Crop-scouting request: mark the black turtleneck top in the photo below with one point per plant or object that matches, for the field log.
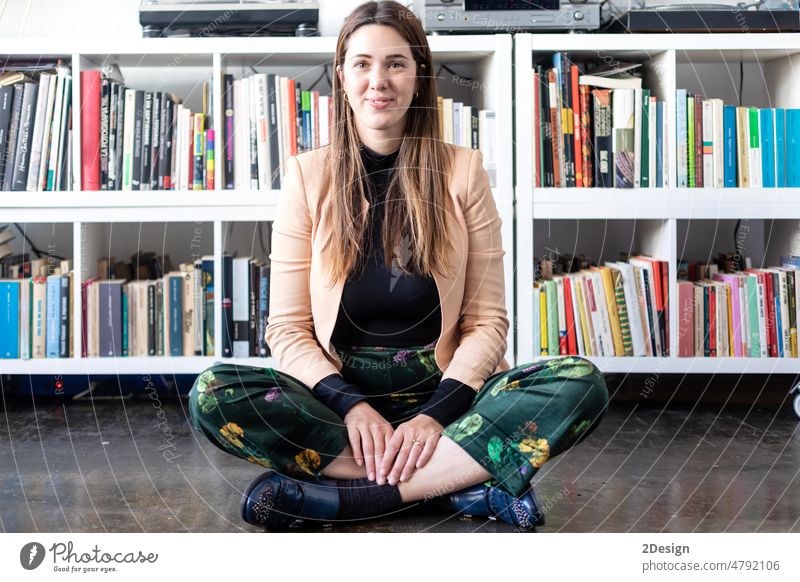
(381, 306)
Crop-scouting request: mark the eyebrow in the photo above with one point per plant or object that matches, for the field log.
(394, 56)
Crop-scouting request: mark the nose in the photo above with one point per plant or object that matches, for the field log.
(377, 79)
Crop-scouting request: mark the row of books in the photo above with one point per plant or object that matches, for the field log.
(270, 117)
(169, 316)
(35, 316)
(618, 309)
(36, 128)
(751, 313)
(133, 139)
(725, 146)
(596, 130)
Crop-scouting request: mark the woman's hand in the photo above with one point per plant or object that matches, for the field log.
(410, 447)
(368, 433)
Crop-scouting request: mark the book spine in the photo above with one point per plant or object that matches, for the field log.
(136, 153)
(147, 132)
(156, 140)
(198, 138)
(603, 162)
(13, 132)
(227, 98)
(25, 137)
(210, 146)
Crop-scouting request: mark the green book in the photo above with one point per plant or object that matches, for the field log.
(551, 291)
(690, 142)
(751, 286)
(645, 165)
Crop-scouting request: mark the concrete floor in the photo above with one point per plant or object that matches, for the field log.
(94, 466)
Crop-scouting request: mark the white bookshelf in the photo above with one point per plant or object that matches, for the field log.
(669, 223)
(180, 66)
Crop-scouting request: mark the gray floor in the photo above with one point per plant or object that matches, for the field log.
(101, 466)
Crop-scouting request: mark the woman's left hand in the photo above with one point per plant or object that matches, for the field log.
(402, 456)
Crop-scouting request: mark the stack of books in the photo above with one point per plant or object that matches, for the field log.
(619, 309)
(245, 306)
(35, 311)
(132, 139)
(600, 130)
(725, 146)
(169, 315)
(36, 127)
(748, 313)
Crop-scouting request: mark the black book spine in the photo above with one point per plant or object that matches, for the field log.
(6, 110)
(147, 131)
(228, 131)
(137, 140)
(25, 137)
(120, 131)
(227, 306)
(64, 182)
(160, 317)
(252, 320)
(263, 309)
(112, 137)
(298, 120)
(155, 140)
(547, 130)
(603, 161)
(105, 113)
(13, 130)
(165, 153)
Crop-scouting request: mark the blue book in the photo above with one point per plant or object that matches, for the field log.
(790, 261)
(9, 319)
(792, 147)
(729, 122)
(767, 134)
(176, 316)
(53, 315)
(780, 148)
(659, 145)
(682, 161)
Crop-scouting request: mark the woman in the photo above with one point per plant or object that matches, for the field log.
(388, 320)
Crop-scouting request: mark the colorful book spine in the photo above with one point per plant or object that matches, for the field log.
(198, 138)
(210, 145)
(729, 122)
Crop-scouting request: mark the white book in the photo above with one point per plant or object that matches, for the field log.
(762, 322)
(186, 156)
(47, 131)
(283, 115)
(744, 323)
(458, 113)
(241, 303)
(238, 125)
(466, 129)
(55, 129)
(38, 131)
(262, 133)
(708, 144)
(486, 140)
(178, 146)
(652, 130)
(665, 174)
(324, 122)
(25, 318)
(127, 139)
(635, 319)
(63, 144)
(280, 99)
(447, 116)
(252, 135)
(647, 267)
(610, 82)
(718, 133)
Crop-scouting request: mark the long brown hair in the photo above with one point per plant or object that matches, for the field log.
(415, 209)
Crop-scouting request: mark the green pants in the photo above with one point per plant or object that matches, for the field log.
(520, 419)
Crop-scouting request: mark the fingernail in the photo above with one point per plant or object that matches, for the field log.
(403, 477)
(372, 476)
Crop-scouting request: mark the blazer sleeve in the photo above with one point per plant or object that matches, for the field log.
(290, 326)
(483, 322)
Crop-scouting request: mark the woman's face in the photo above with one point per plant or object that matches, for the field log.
(379, 77)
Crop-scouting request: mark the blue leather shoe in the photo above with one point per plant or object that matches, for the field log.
(277, 502)
(523, 512)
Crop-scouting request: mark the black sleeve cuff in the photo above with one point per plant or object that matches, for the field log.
(337, 394)
(450, 400)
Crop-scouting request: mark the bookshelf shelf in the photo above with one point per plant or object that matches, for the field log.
(662, 218)
(180, 66)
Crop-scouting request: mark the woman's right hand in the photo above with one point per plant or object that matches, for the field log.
(369, 433)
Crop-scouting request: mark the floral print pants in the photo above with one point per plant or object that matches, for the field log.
(520, 419)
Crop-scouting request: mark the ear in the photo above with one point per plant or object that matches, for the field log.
(340, 74)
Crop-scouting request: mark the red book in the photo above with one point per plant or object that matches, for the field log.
(665, 291)
(772, 315)
(90, 130)
(572, 347)
(712, 320)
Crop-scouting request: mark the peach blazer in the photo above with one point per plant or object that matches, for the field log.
(303, 307)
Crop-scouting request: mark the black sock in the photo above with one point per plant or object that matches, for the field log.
(359, 498)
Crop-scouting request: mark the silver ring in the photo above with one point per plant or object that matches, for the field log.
(416, 442)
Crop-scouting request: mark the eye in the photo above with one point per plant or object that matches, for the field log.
(398, 64)
(359, 63)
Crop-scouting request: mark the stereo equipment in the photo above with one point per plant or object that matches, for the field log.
(503, 16)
